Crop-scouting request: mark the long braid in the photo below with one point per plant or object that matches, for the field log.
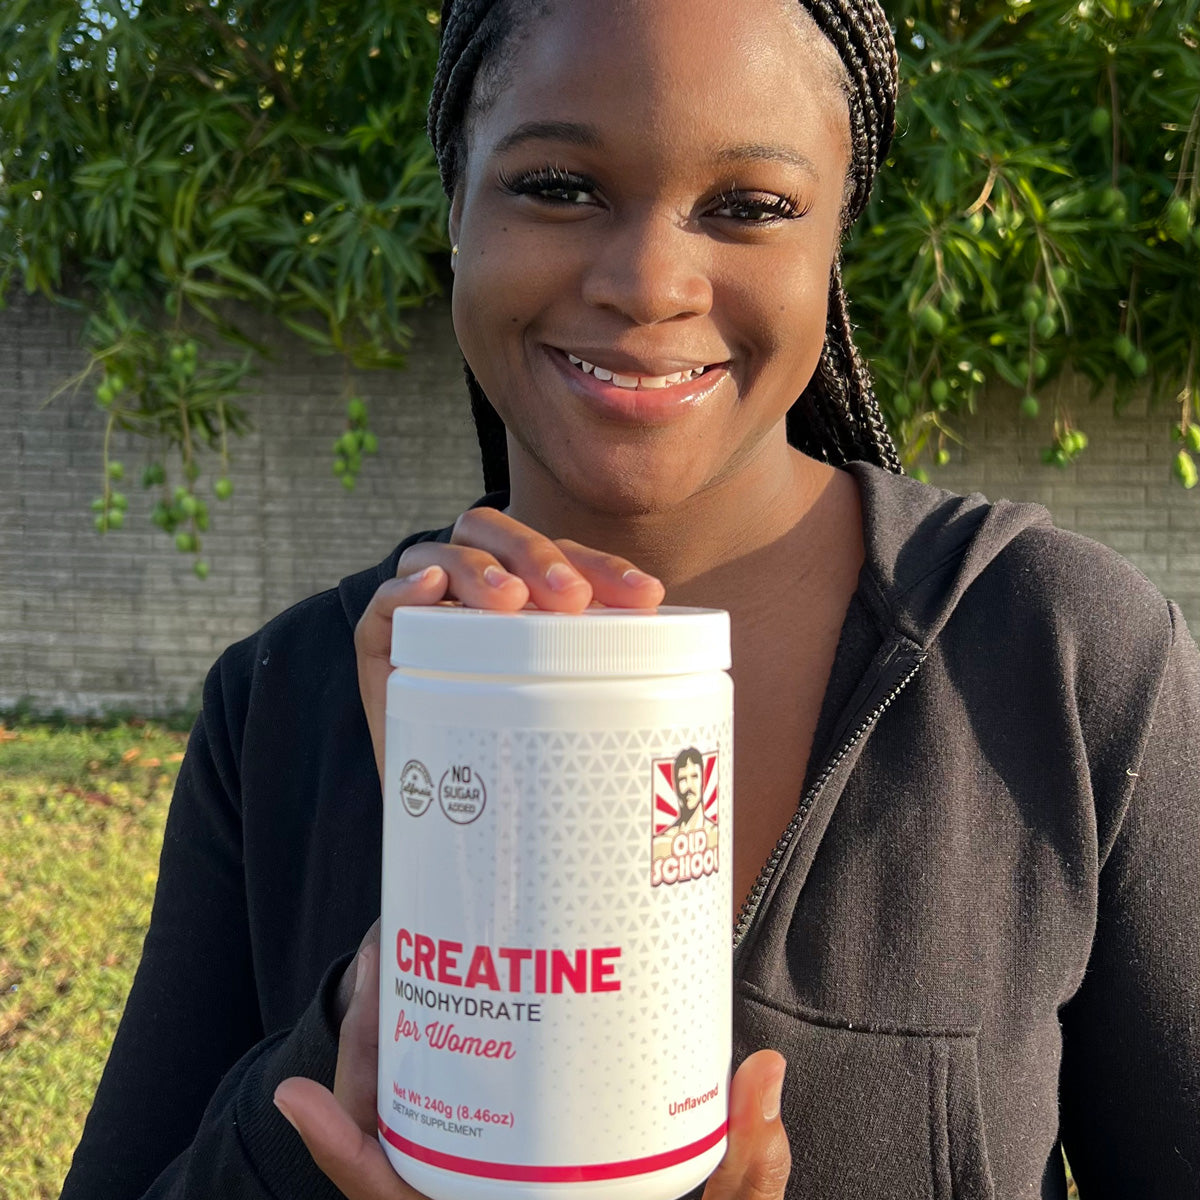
(837, 419)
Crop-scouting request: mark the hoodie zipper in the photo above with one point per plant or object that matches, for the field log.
(750, 906)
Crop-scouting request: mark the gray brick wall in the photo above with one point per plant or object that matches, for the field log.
(91, 624)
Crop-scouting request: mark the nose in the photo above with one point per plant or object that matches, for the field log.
(650, 269)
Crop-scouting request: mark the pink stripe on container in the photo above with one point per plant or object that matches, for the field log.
(524, 1174)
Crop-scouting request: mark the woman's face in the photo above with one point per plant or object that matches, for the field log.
(654, 192)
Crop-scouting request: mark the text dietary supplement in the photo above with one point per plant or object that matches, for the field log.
(555, 968)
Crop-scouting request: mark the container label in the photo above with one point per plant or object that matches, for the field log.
(549, 1008)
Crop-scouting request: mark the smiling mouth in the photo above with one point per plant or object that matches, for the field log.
(635, 382)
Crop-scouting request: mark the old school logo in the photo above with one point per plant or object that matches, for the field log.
(684, 817)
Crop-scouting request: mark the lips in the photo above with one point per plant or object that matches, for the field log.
(639, 398)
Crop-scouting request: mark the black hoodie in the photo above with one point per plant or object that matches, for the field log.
(978, 939)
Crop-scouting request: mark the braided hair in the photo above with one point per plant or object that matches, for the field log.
(837, 418)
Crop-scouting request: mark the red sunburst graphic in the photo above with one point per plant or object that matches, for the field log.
(666, 803)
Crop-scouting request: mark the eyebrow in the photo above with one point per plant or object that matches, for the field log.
(745, 151)
(551, 131)
(576, 133)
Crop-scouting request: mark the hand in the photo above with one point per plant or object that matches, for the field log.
(495, 562)
(339, 1127)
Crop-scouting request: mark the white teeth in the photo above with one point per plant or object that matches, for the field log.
(635, 381)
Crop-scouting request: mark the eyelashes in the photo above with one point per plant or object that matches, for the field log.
(557, 186)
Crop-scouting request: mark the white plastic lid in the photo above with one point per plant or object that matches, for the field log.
(598, 641)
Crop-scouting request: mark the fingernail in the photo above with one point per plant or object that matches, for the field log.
(360, 971)
(560, 577)
(771, 1098)
(496, 576)
(636, 578)
(424, 576)
(287, 1115)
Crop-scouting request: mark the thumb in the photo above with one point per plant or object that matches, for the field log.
(758, 1160)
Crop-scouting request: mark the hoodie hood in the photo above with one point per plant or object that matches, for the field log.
(925, 547)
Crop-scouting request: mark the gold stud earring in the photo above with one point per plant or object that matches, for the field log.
(454, 250)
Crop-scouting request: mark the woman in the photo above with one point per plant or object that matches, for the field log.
(976, 939)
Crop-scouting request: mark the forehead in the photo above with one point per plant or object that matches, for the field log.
(753, 71)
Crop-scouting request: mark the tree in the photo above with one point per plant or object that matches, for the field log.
(1039, 215)
(166, 164)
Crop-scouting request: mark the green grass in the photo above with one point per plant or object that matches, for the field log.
(81, 819)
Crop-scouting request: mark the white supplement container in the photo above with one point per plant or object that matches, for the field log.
(555, 966)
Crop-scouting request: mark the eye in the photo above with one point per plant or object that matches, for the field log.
(757, 208)
(554, 185)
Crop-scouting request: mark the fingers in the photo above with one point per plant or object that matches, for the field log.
(358, 1044)
(758, 1160)
(352, 1158)
(495, 562)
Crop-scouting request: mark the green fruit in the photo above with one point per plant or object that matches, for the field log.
(943, 458)
(1061, 276)
(1193, 438)
(1030, 310)
(370, 443)
(105, 394)
(116, 470)
(901, 404)
(117, 383)
(119, 500)
(1139, 364)
(188, 504)
(975, 223)
(920, 474)
(914, 389)
(1111, 199)
(201, 518)
(160, 515)
(116, 519)
(98, 504)
(939, 391)
(176, 354)
(339, 466)
(190, 349)
(930, 321)
(1178, 220)
(200, 569)
(1123, 348)
(153, 474)
(223, 488)
(356, 410)
(1100, 122)
(1030, 407)
(1046, 326)
(1184, 469)
(1041, 364)
(348, 482)
(184, 541)
(100, 521)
